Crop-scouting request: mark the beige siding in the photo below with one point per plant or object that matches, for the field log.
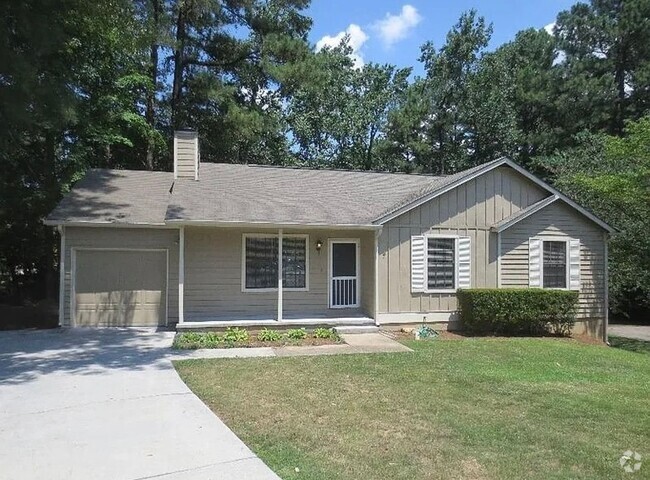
(469, 210)
(213, 276)
(122, 238)
(186, 146)
(560, 220)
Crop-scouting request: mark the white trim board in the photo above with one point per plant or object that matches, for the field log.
(416, 317)
(486, 168)
(523, 214)
(73, 274)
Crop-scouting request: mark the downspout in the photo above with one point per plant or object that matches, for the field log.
(61, 230)
(280, 275)
(181, 275)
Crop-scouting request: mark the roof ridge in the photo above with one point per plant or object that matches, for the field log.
(326, 169)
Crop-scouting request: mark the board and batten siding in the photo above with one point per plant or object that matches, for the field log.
(468, 210)
(560, 220)
(213, 276)
(122, 238)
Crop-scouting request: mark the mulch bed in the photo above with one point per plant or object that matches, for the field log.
(447, 335)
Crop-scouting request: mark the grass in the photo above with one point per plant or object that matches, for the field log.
(474, 409)
(638, 346)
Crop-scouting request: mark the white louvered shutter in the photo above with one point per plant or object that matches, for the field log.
(418, 263)
(574, 264)
(534, 262)
(464, 262)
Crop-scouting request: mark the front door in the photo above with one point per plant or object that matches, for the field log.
(344, 273)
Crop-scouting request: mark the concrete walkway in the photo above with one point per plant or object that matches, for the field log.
(106, 404)
(637, 332)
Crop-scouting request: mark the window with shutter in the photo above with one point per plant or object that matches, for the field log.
(554, 263)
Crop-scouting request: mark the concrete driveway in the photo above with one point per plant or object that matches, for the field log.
(637, 332)
(107, 404)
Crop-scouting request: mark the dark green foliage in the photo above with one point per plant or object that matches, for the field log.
(195, 340)
(529, 311)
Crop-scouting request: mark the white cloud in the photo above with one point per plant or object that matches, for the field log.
(396, 27)
(549, 28)
(357, 37)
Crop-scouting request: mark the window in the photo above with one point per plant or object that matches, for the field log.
(441, 265)
(554, 269)
(261, 262)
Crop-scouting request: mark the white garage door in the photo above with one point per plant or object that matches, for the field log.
(120, 288)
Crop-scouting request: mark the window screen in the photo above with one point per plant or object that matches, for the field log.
(554, 265)
(294, 262)
(262, 262)
(441, 268)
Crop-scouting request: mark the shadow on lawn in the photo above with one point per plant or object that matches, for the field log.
(28, 354)
(630, 344)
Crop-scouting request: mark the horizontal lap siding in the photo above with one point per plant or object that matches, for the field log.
(123, 238)
(469, 210)
(213, 274)
(560, 220)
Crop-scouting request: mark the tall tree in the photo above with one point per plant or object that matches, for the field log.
(607, 48)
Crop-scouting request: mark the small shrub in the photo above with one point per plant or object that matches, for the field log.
(188, 341)
(326, 333)
(267, 335)
(297, 334)
(235, 335)
(521, 311)
(211, 339)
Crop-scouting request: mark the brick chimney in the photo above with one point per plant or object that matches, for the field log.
(186, 154)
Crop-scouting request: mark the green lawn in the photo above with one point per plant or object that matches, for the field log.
(474, 408)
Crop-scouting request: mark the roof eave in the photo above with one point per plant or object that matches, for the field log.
(294, 225)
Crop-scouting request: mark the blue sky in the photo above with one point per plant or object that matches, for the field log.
(391, 31)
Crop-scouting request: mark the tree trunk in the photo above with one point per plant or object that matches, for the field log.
(151, 95)
(179, 64)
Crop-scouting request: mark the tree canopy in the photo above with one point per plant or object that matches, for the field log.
(104, 84)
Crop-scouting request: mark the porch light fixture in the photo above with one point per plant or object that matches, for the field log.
(319, 245)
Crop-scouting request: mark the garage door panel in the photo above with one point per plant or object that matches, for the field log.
(120, 288)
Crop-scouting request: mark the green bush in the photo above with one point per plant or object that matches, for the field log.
(528, 311)
(326, 333)
(235, 335)
(297, 334)
(267, 335)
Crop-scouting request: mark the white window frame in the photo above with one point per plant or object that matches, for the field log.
(567, 266)
(273, 289)
(426, 271)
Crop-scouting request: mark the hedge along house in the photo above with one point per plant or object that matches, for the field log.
(213, 245)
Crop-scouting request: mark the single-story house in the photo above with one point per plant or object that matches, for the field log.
(211, 245)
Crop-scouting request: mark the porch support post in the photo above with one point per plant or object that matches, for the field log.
(279, 274)
(181, 274)
(61, 275)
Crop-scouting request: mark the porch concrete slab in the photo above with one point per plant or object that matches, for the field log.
(373, 342)
(107, 404)
(636, 332)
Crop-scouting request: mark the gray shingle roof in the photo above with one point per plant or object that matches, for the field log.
(280, 195)
(116, 196)
(228, 193)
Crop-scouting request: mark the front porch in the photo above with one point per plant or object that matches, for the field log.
(275, 278)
